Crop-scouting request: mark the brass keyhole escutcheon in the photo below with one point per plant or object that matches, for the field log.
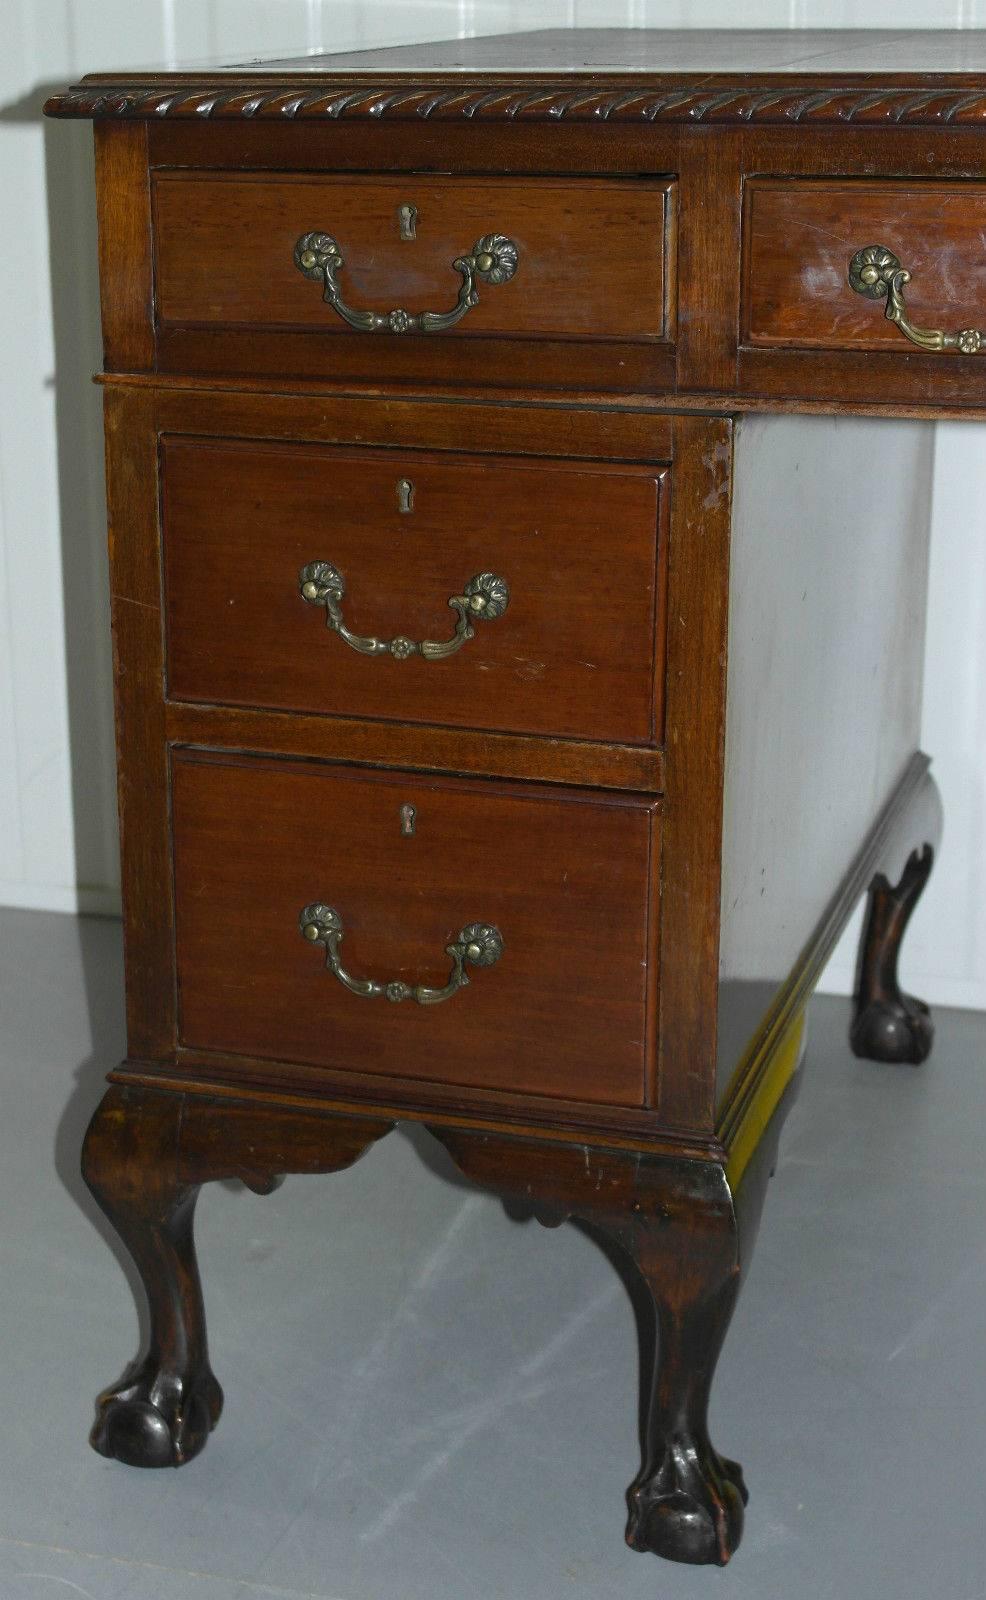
(408, 820)
(405, 496)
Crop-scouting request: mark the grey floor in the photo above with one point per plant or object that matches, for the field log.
(426, 1399)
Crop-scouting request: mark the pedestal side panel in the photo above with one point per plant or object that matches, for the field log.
(826, 635)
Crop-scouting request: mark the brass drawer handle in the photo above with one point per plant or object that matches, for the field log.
(877, 273)
(493, 260)
(484, 598)
(478, 945)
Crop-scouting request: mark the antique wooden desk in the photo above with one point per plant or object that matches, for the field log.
(518, 459)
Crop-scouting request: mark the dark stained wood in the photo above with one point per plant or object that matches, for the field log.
(578, 651)
(579, 809)
(889, 1025)
(895, 374)
(711, 178)
(147, 1153)
(609, 280)
(403, 420)
(753, 376)
(487, 148)
(698, 587)
(210, 1073)
(422, 360)
(799, 239)
(913, 812)
(874, 382)
(224, 251)
(145, 1158)
(126, 283)
(676, 1222)
(690, 1238)
(659, 405)
(454, 750)
(911, 100)
(564, 876)
(142, 762)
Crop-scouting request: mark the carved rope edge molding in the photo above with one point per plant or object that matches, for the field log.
(517, 102)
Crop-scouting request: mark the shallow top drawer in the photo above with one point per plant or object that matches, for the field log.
(825, 261)
(381, 263)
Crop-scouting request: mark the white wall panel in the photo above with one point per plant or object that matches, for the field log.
(945, 951)
(28, 469)
(11, 846)
(57, 826)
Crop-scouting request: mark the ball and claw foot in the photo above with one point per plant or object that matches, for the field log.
(889, 1025)
(145, 1158)
(690, 1509)
(156, 1419)
(898, 1030)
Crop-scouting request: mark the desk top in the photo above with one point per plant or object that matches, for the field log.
(691, 75)
(658, 51)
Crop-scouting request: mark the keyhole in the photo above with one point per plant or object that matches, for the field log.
(408, 815)
(405, 496)
(407, 217)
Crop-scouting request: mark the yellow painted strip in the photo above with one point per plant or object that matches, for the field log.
(785, 1063)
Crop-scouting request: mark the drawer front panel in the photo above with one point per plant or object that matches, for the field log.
(800, 239)
(593, 257)
(578, 651)
(564, 878)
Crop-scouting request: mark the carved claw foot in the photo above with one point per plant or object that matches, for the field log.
(690, 1509)
(889, 1025)
(146, 1155)
(683, 1228)
(156, 1419)
(899, 1030)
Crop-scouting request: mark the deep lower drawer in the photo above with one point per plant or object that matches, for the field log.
(442, 930)
(426, 588)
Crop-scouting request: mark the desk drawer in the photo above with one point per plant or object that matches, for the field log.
(531, 259)
(802, 237)
(535, 588)
(557, 1000)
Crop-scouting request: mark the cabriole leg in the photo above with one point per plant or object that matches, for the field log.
(688, 1235)
(889, 1025)
(687, 1504)
(163, 1408)
(145, 1157)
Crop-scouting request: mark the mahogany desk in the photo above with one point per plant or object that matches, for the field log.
(518, 457)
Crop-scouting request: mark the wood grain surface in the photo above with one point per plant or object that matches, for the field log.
(126, 279)
(801, 237)
(592, 253)
(566, 877)
(578, 651)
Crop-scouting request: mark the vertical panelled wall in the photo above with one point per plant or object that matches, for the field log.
(57, 825)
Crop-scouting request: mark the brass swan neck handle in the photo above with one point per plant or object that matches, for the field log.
(484, 598)
(479, 945)
(877, 273)
(493, 260)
